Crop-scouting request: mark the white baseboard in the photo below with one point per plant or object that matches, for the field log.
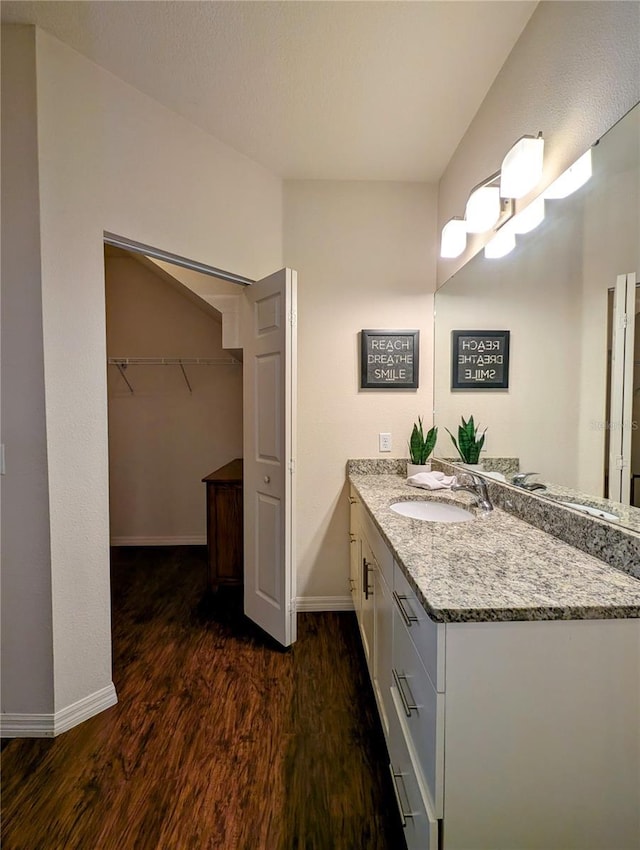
(50, 725)
(184, 540)
(324, 603)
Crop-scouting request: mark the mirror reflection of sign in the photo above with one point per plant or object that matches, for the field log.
(389, 359)
(480, 359)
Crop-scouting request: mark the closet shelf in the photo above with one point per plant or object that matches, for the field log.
(122, 362)
(173, 361)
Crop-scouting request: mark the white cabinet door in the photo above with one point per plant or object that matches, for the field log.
(269, 397)
(383, 635)
(355, 548)
(367, 612)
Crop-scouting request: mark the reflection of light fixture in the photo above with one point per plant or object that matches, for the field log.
(529, 218)
(483, 209)
(454, 238)
(522, 167)
(503, 242)
(573, 178)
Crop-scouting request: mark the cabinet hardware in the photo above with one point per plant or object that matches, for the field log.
(352, 585)
(408, 703)
(352, 537)
(408, 618)
(394, 779)
(365, 579)
(352, 501)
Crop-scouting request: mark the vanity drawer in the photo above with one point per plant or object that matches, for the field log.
(381, 551)
(427, 635)
(421, 709)
(418, 820)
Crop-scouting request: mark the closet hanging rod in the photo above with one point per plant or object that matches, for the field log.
(174, 361)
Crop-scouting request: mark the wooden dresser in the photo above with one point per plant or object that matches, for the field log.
(225, 525)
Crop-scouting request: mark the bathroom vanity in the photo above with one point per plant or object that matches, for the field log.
(506, 669)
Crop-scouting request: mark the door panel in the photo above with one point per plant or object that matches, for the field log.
(621, 402)
(269, 395)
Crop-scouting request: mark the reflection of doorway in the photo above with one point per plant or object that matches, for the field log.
(623, 393)
(635, 413)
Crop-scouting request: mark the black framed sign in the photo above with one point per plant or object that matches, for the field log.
(480, 360)
(389, 359)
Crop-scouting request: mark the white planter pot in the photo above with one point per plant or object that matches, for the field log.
(415, 468)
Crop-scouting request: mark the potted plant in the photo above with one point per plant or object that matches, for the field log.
(469, 442)
(420, 447)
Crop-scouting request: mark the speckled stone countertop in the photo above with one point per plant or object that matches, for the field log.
(495, 567)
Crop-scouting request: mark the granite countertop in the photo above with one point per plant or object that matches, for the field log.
(495, 567)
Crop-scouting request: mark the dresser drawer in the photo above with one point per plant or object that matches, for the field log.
(419, 822)
(427, 635)
(422, 711)
(381, 551)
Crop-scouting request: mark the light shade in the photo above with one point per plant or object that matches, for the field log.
(573, 178)
(483, 209)
(503, 242)
(454, 238)
(522, 168)
(529, 218)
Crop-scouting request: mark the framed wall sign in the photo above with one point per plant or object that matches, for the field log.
(389, 359)
(480, 360)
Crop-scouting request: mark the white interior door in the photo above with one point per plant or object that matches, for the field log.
(269, 393)
(620, 413)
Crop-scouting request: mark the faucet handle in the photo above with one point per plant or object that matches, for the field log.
(520, 478)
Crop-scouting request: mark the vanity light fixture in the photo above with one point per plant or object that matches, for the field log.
(454, 238)
(530, 217)
(483, 207)
(522, 167)
(502, 243)
(570, 180)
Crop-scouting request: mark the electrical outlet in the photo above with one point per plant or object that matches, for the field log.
(384, 442)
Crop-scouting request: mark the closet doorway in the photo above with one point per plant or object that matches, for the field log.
(254, 410)
(174, 397)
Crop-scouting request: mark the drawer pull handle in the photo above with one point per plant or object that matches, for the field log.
(408, 703)
(267, 479)
(366, 589)
(403, 814)
(407, 617)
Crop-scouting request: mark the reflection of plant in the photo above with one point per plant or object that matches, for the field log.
(420, 447)
(468, 443)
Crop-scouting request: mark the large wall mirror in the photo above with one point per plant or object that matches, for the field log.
(556, 294)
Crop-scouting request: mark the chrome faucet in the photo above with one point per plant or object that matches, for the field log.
(521, 480)
(478, 487)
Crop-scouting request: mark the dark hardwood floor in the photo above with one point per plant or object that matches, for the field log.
(219, 740)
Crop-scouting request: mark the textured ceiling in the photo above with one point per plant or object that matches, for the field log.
(320, 90)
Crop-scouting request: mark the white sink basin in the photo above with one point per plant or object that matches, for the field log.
(432, 511)
(587, 509)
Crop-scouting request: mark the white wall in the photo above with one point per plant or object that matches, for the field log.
(574, 71)
(365, 259)
(111, 159)
(164, 439)
(26, 570)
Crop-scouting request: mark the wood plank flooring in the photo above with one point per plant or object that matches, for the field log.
(219, 740)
